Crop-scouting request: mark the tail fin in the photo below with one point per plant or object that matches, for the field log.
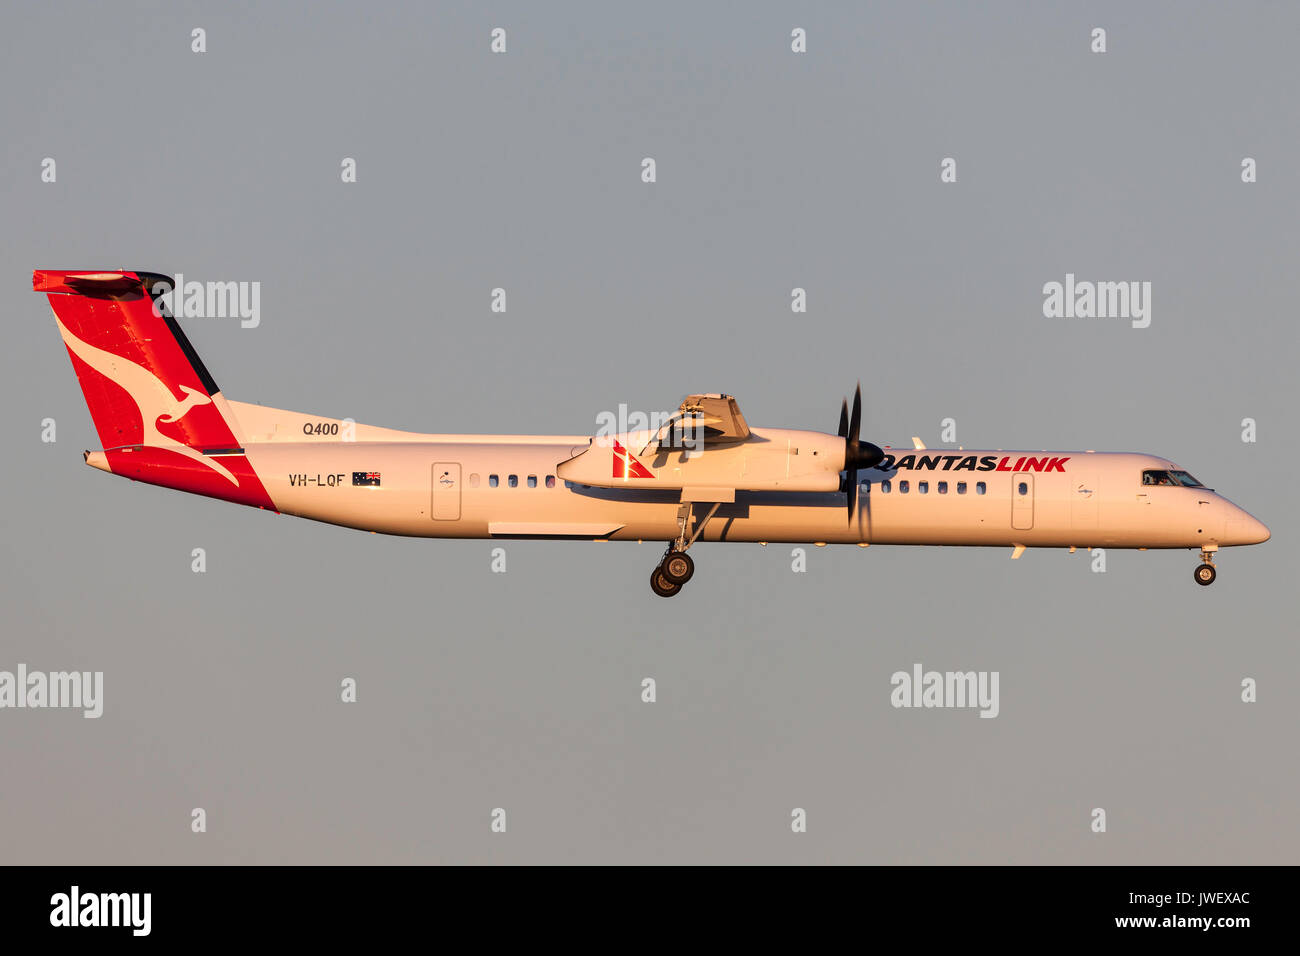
(158, 411)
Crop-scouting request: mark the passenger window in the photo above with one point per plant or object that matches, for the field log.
(961, 487)
(1024, 488)
(980, 488)
(943, 487)
(884, 487)
(532, 481)
(922, 487)
(473, 480)
(550, 481)
(866, 487)
(902, 487)
(514, 481)
(493, 481)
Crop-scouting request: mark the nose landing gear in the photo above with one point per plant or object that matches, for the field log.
(1205, 573)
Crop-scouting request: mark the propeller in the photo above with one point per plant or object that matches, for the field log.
(857, 453)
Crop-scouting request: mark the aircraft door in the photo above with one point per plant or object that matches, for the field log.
(1022, 500)
(446, 491)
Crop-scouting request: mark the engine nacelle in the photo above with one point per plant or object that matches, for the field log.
(767, 460)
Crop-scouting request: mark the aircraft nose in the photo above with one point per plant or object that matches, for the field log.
(1245, 528)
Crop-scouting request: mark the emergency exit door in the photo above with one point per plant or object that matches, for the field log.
(446, 491)
(1022, 500)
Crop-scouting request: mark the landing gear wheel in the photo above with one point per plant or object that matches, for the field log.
(661, 585)
(1205, 574)
(677, 567)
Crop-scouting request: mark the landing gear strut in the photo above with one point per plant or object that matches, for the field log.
(1205, 573)
(676, 566)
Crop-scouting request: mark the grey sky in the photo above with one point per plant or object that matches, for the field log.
(775, 170)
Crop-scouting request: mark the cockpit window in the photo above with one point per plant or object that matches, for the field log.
(1172, 478)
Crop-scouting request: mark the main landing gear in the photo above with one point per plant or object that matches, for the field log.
(672, 572)
(676, 566)
(1205, 573)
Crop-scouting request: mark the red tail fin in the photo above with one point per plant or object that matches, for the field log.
(150, 396)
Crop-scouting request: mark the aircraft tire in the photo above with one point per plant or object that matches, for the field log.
(661, 585)
(677, 567)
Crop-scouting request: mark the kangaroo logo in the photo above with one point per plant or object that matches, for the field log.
(151, 395)
(626, 465)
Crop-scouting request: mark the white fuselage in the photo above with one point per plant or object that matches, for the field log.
(507, 486)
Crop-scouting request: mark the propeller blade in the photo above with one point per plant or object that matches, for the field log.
(855, 423)
(857, 453)
(852, 489)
